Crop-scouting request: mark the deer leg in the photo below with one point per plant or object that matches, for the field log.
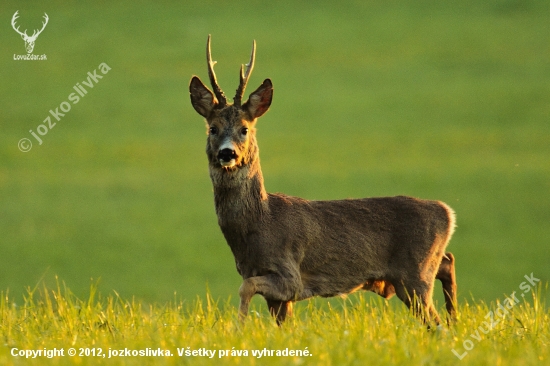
(273, 287)
(279, 310)
(417, 296)
(446, 274)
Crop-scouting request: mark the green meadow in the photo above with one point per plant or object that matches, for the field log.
(440, 100)
(111, 330)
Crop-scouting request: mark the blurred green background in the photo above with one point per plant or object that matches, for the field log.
(445, 100)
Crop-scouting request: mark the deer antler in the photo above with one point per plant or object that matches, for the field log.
(217, 90)
(37, 32)
(244, 76)
(13, 19)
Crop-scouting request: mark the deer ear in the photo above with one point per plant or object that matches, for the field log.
(202, 98)
(259, 101)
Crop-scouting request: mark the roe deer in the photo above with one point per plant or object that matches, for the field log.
(289, 249)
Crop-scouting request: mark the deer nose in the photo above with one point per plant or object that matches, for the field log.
(227, 155)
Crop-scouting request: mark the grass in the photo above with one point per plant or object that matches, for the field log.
(358, 330)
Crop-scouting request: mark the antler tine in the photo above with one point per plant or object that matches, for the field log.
(43, 24)
(244, 76)
(13, 19)
(217, 90)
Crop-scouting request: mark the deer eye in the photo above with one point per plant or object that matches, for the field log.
(213, 130)
(244, 131)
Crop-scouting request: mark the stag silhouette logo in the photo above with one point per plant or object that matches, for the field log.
(29, 40)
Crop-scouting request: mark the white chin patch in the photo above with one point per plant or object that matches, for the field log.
(227, 164)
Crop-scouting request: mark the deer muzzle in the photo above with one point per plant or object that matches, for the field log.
(227, 157)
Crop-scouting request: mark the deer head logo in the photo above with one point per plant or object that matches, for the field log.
(29, 40)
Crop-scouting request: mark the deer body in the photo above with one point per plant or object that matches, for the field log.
(289, 249)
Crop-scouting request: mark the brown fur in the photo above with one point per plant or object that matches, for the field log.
(289, 249)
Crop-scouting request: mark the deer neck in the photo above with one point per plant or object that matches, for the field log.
(239, 194)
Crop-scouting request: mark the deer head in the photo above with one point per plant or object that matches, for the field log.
(29, 40)
(231, 134)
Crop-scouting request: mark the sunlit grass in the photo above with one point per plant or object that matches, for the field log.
(359, 330)
(438, 100)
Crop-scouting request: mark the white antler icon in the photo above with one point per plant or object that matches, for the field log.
(29, 41)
